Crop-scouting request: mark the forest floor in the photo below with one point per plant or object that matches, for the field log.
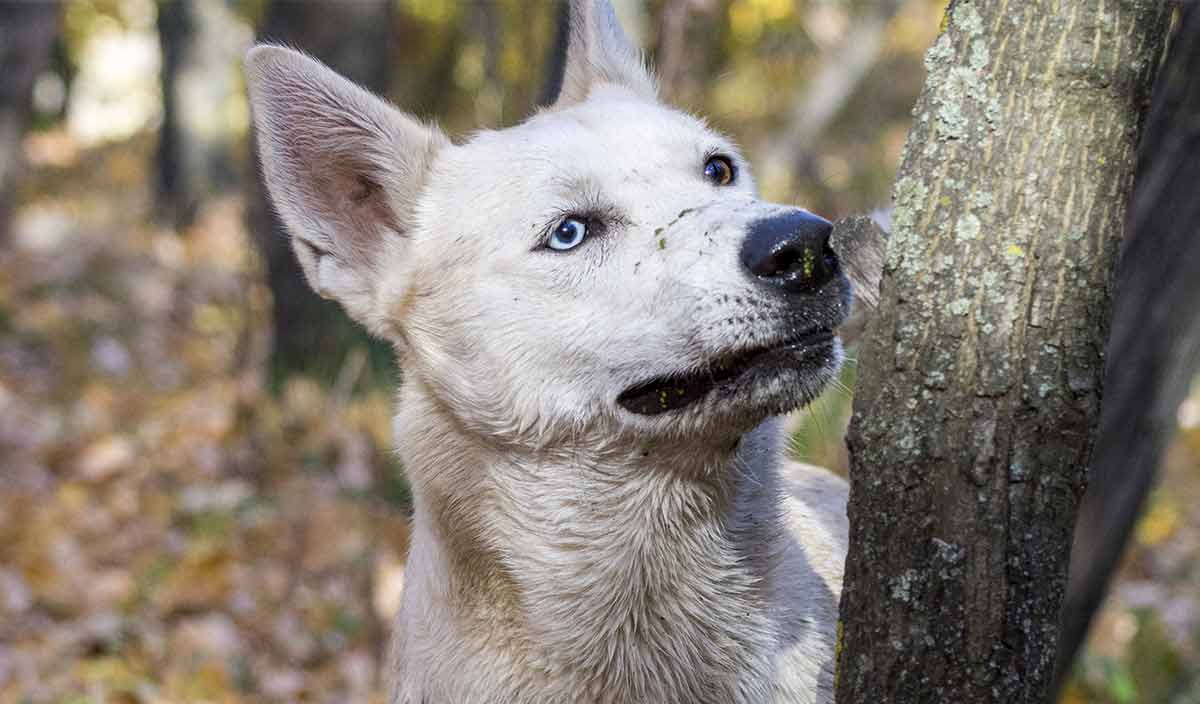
(170, 530)
(173, 530)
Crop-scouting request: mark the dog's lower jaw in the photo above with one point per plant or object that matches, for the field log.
(624, 578)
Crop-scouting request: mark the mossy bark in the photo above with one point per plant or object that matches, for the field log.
(980, 374)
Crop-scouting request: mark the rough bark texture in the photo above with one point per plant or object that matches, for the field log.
(27, 32)
(1154, 349)
(313, 335)
(980, 374)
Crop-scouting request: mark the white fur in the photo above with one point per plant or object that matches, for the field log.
(564, 549)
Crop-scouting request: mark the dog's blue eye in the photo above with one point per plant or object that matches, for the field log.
(568, 235)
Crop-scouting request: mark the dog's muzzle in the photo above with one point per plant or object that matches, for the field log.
(669, 393)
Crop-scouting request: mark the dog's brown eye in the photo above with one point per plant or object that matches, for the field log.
(719, 170)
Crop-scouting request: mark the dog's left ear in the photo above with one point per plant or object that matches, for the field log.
(599, 52)
(344, 170)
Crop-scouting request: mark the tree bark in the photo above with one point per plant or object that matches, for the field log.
(980, 375)
(313, 335)
(27, 32)
(1154, 349)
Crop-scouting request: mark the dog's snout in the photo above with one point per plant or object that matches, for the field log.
(791, 250)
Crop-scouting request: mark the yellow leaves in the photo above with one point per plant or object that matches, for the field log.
(1158, 523)
(209, 319)
(105, 457)
(113, 675)
(70, 499)
(745, 21)
(748, 17)
(126, 170)
(776, 10)
(373, 414)
(45, 545)
(1073, 693)
(201, 580)
(514, 61)
(469, 70)
(208, 681)
(916, 26)
(432, 11)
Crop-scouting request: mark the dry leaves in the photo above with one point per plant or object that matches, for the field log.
(169, 531)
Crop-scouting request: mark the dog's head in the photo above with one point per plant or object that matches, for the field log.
(606, 263)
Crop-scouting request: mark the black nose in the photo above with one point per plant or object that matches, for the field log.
(791, 250)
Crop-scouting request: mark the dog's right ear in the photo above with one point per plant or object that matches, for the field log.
(344, 170)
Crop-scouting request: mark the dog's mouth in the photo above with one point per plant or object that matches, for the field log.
(669, 393)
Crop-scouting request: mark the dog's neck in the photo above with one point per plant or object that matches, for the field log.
(642, 570)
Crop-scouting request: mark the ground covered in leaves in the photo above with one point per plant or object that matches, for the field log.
(173, 530)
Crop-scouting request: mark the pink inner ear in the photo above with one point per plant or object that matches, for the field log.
(349, 191)
(342, 165)
(367, 188)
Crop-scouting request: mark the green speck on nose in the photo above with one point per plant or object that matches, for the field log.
(662, 243)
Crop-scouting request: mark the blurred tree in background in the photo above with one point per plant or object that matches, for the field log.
(313, 335)
(198, 42)
(27, 33)
(1154, 350)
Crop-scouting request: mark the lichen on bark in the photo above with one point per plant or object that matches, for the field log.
(979, 382)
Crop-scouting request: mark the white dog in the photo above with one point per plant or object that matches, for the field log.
(596, 318)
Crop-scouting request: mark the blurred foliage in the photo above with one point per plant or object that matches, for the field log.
(169, 531)
(173, 530)
(1145, 645)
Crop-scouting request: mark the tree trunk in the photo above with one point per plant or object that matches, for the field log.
(1154, 350)
(27, 32)
(979, 381)
(193, 163)
(313, 335)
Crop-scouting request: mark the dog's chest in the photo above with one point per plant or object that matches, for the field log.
(614, 616)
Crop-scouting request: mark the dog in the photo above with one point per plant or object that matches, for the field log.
(597, 320)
